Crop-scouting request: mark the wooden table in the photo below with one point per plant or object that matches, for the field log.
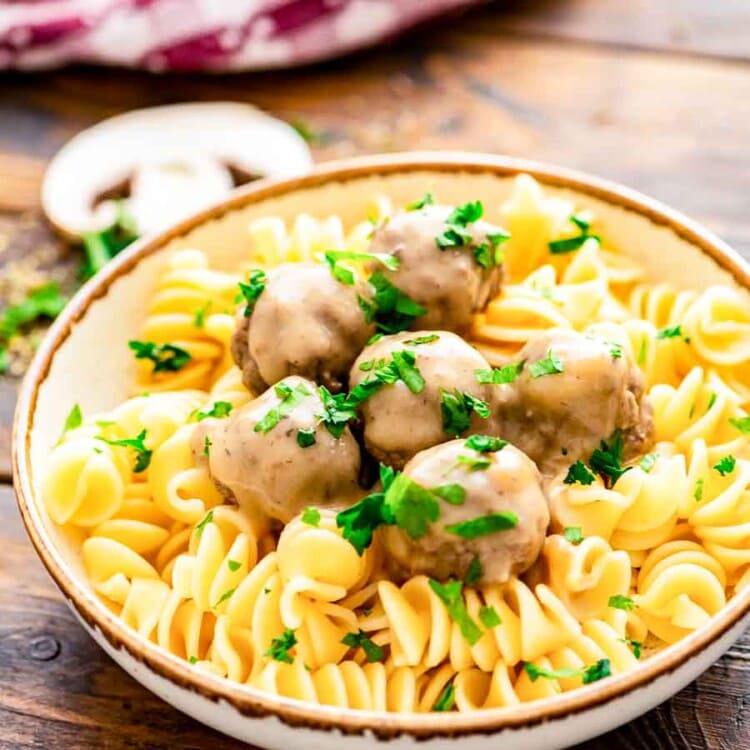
(656, 95)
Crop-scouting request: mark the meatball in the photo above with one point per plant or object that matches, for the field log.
(399, 422)
(305, 323)
(275, 457)
(495, 514)
(574, 391)
(451, 284)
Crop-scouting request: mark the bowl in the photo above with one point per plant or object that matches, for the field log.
(84, 358)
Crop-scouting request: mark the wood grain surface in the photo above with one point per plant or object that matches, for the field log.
(656, 95)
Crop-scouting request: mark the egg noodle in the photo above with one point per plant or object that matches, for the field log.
(626, 569)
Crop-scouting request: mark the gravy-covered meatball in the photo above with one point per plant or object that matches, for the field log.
(492, 510)
(305, 323)
(408, 414)
(274, 456)
(574, 391)
(451, 281)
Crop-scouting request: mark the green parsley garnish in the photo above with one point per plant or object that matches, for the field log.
(427, 339)
(337, 412)
(499, 375)
(290, 399)
(615, 350)
(550, 365)
(218, 410)
(456, 233)
(73, 420)
(199, 320)
(404, 362)
(306, 437)
(373, 652)
(669, 332)
(648, 462)
(483, 525)
(166, 357)
(578, 473)
(226, 595)
(489, 617)
(142, 454)
(281, 646)
(456, 409)
(100, 247)
(726, 465)
(234, 565)
(698, 492)
(573, 534)
(570, 244)
(391, 310)
(412, 506)
(428, 199)
(485, 443)
(345, 275)
(251, 291)
(207, 445)
(618, 601)
(473, 463)
(449, 594)
(454, 494)
(311, 516)
(193, 659)
(207, 519)
(637, 646)
(597, 671)
(474, 573)
(607, 460)
(592, 673)
(741, 423)
(711, 401)
(447, 699)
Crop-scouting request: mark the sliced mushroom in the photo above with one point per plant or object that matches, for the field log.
(171, 161)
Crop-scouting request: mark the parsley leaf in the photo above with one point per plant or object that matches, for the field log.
(226, 595)
(597, 671)
(412, 506)
(499, 376)
(219, 410)
(570, 244)
(473, 463)
(252, 290)
(337, 412)
(404, 362)
(391, 310)
(234, 565)
(550, 365)
(360, 521)
(648, 462)
(669, 332)
(698, 491)
(450, 595)
(447, 699)
(207, 519)
(142, 454)
(306, 437)
(741, 423)
(456, 409)
(607, 460)
(311, 516)
(100, 247)
(485, 443)
(207, 445)
(427, 339)
(165, 357)
(592, 673)
(290, 399)
(334, 257)
(489, 617)
(454, 494)
(618, 601)
(73, 420)
(474, 573)
(281, 646)
(726, 465)
(428, 199)
(637, 646)
(483, 525)
(199, 319)
(573, 534)
(578, 473)
(373, 652)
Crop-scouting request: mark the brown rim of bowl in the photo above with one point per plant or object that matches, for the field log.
(252, 702)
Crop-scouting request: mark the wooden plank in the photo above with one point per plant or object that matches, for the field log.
(719, 29)
(61, 690)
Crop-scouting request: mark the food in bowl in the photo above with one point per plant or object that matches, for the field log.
(413, 511)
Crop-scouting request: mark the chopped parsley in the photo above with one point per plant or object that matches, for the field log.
(199, 320)
(571, 244)
(426, 339)
(251, 291)
(643, 351)
(607, 460)
(100, 247)
(489, 617)
(485, 443)
(618, 601)
(473, 463)
(404, 363)
(311, 516)
(499, 375)
(345, 275)
(142, 454)
(615, 350)
(669, 332)
(193, 659)
(711, 400)
(207, 445)
(219, 410)
(290, 399)
(573, 534)
(698, 492)
(373, 652)
(483, 525)
(306, 437)
(391, 310)
(474, 573)
(741, 423)
(578, 473)
(281, 646)
(234, 565)
(637, 646)
(226, 595)
(412, 506)
(428, 199)
(726, 465)
(648, 462)
(449, 594)
(73, 420)
(550, 365)
(454, 494)
(165, 357)
(456, 409)
(456, 233)
(337, 412)
(446, 700)
(207, 519)
(592, 673)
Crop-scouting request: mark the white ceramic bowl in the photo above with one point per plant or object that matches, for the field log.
(84, 358)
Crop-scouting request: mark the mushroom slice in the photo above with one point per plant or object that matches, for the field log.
(172, 160)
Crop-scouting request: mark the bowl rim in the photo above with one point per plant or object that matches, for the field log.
(249, 701)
